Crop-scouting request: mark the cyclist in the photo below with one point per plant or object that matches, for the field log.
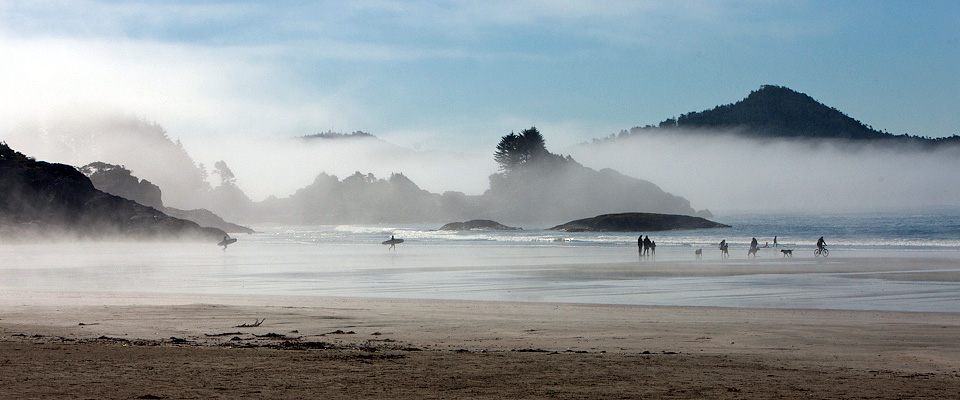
(821, 243)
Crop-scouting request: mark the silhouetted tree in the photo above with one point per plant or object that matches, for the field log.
(514, 150)
(226, 175)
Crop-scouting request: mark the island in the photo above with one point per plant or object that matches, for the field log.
(478, 225)
(637, 222)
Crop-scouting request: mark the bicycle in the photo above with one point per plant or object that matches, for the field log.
(821, 251)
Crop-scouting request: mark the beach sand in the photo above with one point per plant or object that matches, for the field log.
(110, 345)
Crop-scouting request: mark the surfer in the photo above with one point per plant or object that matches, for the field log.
(392, 242)
(227, 240)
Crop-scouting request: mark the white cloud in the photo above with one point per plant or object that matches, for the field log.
(206, 91)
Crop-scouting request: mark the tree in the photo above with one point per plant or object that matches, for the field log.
(226, 175)
(508, 152)
(514, 150)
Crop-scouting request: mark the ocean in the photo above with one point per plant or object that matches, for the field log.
(878, 261)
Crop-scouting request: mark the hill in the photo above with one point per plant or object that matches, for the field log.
(537, 186)
(362, 198)
(534, 186)
(338, 135)
(44, 200)
(778, 112)
(119, 181)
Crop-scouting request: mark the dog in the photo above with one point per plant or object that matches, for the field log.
(699, 253)
(753, 252)
(787, 253)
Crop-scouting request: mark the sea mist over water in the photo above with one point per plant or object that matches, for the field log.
(715, 171)
(729, 173)
(263, 166)
(281, 166)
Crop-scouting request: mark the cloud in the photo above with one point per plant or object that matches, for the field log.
(193, 90)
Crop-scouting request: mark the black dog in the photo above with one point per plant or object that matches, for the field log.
(787, 253)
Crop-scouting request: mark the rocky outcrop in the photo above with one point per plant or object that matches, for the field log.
(44, 200)
(119, 181)
(205, 217)
(553, 188)
(637, 222)
(478, 225)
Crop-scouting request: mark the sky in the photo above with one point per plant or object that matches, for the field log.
(458, 75)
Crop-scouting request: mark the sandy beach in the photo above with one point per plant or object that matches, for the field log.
(62, 345)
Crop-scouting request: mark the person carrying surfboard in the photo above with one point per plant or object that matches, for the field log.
(392, 242)
(227, 240)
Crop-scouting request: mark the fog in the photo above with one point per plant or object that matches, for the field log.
(716, 171)
(727, 173)
(280, 166)
(263, 167)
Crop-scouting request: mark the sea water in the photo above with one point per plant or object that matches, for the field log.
(865, 270)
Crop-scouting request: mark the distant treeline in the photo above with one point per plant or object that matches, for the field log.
(337, 135)
(776, 112)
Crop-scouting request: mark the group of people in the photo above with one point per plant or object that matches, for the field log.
(755, 246)
(646, 246)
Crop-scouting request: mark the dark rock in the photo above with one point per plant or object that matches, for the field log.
(478, 224)
(40, 200)
(119, 181)
(637, 222)
(205, 217)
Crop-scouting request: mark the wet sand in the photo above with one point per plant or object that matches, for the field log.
(106, 345)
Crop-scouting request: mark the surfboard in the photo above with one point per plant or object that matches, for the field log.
(225, 242)
(393, 241)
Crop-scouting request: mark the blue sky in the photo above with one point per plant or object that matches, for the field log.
(458, 75)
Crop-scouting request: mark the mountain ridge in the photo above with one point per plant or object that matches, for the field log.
(778, 112)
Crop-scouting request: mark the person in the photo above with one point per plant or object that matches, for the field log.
(723, 249)
(753, 243)
(640, 244)
(225, 239)
(775, 241)
(646, 245)
(653, 249)
(821, 243)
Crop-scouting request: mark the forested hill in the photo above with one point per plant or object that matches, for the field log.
(780, 112)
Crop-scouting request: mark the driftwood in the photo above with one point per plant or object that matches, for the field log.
(222, 334)
(253, 325)
(272, 335)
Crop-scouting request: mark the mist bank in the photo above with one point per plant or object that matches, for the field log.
(732, 172)
(548, 190)
(545, 190)
(188, 172)
(279, 166)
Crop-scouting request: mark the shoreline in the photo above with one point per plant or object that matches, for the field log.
(404, 344)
